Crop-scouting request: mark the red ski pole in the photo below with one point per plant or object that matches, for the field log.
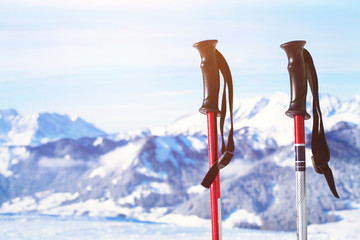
(210, 108)
(211, 63)
(215, 201)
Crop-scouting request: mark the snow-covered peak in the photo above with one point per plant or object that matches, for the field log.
(57, 126)
(191, 124)
(335, 110)
(8, 113)
(268, 116)
(7, 116)
(36, 128)
(329, 104)
(130, 135)
(23, 129)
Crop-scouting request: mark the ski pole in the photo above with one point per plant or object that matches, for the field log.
(301, 68)
(212, 61)
(297, 110)
(210, 108)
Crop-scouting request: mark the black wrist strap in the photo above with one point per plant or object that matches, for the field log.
(227, 151)
(319, 147)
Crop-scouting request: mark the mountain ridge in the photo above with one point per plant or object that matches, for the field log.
(153, 175)
(39, 128)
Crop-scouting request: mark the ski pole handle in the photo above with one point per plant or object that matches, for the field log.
(211, 78)
(298, 83)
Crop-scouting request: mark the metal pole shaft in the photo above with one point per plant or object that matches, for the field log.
(215, 187)
(300, 168)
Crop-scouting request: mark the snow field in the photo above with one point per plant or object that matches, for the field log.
(35, 227)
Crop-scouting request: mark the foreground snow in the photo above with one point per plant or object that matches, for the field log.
(34, 227)
(347, 228)
(47, 227)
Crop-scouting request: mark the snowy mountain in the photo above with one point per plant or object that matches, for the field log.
(267, 115)
(38, 128)
(155, 174)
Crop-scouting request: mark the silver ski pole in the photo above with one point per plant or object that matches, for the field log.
(297, 110)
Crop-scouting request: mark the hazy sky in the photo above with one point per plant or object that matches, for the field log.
(126, 64)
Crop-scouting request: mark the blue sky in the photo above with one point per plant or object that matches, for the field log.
(130, 64)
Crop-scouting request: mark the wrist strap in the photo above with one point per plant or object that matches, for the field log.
(319, 146)
(227, 151)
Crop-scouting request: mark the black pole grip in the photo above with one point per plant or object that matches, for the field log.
(298, 83)
(211, 78)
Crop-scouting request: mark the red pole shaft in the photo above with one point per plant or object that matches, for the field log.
(215, 186)
(299, 129)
